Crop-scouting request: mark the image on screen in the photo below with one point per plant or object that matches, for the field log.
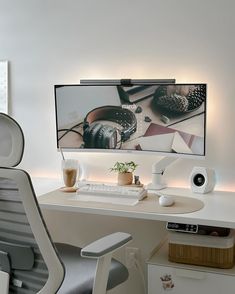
(167, 118)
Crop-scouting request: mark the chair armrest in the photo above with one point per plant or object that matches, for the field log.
(106, 245)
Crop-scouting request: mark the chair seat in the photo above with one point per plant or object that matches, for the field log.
(80, 271)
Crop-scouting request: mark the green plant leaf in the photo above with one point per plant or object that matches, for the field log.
(124, 167)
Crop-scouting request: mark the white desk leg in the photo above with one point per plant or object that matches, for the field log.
(4, 282)
(102, 273)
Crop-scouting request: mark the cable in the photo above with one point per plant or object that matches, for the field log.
(70, 130)
(139, 268)
(67, 131)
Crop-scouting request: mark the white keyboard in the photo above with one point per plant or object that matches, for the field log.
(104, 190)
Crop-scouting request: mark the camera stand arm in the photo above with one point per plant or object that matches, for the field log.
(158, 170)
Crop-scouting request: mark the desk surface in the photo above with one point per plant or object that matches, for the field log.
(218, 210)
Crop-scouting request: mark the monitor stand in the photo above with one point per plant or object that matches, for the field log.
(158, 170)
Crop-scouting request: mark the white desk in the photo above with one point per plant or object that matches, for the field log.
(219, 209)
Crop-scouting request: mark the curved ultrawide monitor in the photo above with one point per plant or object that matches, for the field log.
(165, 118)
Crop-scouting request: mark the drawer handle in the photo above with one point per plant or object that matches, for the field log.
(189, 274)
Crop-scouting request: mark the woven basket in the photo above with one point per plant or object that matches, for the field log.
(221, 256)
(205, 256)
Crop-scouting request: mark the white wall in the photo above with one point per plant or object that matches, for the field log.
(54, 41)
(49, 42)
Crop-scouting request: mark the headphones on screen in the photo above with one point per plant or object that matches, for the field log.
(99, 135)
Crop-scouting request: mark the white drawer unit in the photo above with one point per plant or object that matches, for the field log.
(167, 277)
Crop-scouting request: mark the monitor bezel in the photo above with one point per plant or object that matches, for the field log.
(128, 151)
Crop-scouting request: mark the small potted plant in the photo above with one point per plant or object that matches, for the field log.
(125, 172)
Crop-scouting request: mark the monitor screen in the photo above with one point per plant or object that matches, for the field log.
(166, 118)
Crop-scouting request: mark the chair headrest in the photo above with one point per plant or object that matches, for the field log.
(11, 141)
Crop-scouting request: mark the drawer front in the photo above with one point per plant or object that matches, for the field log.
(162, 280)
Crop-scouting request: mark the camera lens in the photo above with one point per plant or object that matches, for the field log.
(199, 180)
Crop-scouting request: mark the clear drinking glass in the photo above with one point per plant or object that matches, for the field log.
(70, 171)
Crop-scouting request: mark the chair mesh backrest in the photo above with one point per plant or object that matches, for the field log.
(15, 228)
(21, 221)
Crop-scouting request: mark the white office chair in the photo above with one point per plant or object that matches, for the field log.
(29, 261)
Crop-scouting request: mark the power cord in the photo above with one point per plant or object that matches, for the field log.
(70, 130)
(137, 265)
(139, 268)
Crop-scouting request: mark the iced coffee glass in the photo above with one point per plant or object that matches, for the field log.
(70, 170)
